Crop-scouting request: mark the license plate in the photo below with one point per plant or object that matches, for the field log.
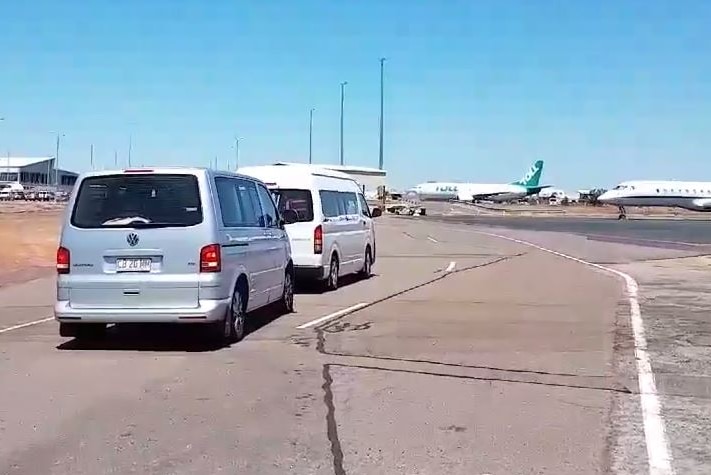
(133, 265)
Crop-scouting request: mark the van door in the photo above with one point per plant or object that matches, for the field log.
(243, 242)
(135, 241)
(366, 222)
(354, 230)
(276, 243)
(300, 233)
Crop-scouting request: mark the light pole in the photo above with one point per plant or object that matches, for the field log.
(8, 155)
(380, 155)
(130, 146)
(343, 85)
(236, 153)
(311, 128)
(91, 156)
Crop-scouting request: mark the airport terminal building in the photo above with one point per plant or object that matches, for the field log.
(35, 173)
(368, 178)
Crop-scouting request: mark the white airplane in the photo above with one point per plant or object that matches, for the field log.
(691, 195)
(444, 191)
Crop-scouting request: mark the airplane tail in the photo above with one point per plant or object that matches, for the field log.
(532, 176)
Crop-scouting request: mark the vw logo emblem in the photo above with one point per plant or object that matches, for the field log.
(132, 239)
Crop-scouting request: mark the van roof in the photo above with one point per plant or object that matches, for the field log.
(163, 170)
(293, 173)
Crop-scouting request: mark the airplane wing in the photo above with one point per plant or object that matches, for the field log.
(483, 196)
(532, 190)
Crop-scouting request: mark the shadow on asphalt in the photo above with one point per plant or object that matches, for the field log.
(317, 288)
(189, 338)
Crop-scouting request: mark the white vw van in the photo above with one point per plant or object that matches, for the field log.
(333, 233)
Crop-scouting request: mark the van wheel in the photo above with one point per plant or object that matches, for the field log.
(332, 279)
(287, 298)
(231, 327)
(235, 328)
(367, 269)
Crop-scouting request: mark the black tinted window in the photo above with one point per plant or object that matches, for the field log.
(269, 216)
(299, 201)
(137, 201)
(350, 202)
(338, 203)
(330, 203)
(239, 202)
(364, 208)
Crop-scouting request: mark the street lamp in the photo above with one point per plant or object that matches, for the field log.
(380, 155)
(311, 128)
(236, 153)
(343, 85)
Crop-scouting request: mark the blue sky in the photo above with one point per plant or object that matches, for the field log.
(475, 90)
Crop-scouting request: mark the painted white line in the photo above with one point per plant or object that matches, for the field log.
(450, 267)
(432, 239)
(23, 325)
(658, 453)
(333, 315)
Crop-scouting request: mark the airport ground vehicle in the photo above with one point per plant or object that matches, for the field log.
(333, 234)
(182, 245)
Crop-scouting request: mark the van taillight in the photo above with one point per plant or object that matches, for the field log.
(318, 240)
(63, 260)
(210, 258)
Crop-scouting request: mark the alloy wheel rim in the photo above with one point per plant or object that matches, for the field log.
(237, 317)
(334, 274)
(289, 292)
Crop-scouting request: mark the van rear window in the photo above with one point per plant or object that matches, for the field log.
(131, 201)
(297, 200)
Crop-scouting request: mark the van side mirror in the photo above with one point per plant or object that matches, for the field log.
(289, 216)
(376, 212)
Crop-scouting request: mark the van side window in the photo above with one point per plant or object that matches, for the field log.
(330, 203)
(350, 202)
(239, 202)
(364, 208)
(229, 207)
(269, 218)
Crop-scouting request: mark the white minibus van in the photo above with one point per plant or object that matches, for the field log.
(332, 234)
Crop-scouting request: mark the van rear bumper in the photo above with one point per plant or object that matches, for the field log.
(207, 311)
(310, 272)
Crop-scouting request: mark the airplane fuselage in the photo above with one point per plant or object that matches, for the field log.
(470, 191)
(691, 195)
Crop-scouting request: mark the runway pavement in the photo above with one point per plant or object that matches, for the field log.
(465, 354)
(665, 233)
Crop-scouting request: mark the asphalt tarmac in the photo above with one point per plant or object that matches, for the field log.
(466, 353)
(666, 233)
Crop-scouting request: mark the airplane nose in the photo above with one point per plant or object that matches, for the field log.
(605, 197)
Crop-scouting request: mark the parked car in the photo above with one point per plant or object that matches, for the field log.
(172, 245)
(333, 234)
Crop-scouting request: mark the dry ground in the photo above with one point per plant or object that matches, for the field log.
(28, 238)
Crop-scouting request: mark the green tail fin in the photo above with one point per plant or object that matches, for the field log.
(532, 176)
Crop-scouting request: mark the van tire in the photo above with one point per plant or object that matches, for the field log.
(231, 328)
(286, 303)
(367, 270)
(331, 282)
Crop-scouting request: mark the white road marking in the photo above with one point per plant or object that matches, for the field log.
(658, 453)
(23, 325)
(333, 315)
(432, 239)
(450, 267)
